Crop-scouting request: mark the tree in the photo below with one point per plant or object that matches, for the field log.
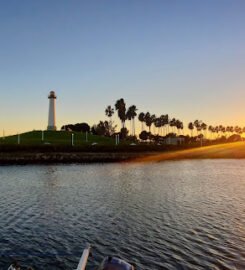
(79, 127)
(227, 130)
(120, 106)
(191, 127)
(179, 125)
(141, 118)
(164, 119)
(103, 128)
(204, 128)
(84, 127)
(109, 111)
(158, 124)
(197, 124)
(234, 138)
(123, 133)
(211, 130)
(144, 135)
(172, 124)
(237, 129)
(149, 120)
(131, 114)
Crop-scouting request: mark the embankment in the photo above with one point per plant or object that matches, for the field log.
(221, 151)
(22, 158)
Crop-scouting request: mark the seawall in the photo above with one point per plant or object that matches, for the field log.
(221, 151)
(74, 157)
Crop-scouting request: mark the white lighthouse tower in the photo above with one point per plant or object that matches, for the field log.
(52, 113)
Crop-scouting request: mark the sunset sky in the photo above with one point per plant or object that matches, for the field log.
(184, 58)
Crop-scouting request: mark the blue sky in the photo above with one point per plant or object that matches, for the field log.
(184, 58)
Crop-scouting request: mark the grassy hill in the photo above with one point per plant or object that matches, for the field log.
(34, 138)
(56, 148)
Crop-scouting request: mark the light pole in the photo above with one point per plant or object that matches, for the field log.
(72, 139)
(117, 139)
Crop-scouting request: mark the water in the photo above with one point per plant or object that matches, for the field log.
(170, 215)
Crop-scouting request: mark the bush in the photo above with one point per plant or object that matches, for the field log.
(79, 127)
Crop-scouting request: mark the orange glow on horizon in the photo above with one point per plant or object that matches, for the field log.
(228, 150)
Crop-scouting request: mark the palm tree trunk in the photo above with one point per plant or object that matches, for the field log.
(133, 126)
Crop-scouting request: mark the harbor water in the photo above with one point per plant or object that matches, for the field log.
(167, 215)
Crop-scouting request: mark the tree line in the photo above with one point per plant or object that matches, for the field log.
(152, 126)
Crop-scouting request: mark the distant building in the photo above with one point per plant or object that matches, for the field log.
(174, 140)
(52, 111)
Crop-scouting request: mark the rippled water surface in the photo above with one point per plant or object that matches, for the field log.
(171, 215)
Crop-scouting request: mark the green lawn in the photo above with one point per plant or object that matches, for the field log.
(56, 138)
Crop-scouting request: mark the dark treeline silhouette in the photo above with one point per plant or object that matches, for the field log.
(161, 129)
(214, 132)
(104, 128)
(79, 127)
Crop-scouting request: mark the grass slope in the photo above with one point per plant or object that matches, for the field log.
(34, 138)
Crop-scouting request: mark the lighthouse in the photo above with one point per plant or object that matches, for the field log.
(52, 113)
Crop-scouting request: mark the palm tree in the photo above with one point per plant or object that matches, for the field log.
(179, 125)
(131, 113)
(165, 121)
(120, 106)
(149, 119)
(223, 131)
(129, 117)
(157, 124)
(211, 130)
(141, 118)
(227, 130)
(220, 130)
(216, 130)
(109, 111)
(161, 124)
(204, 128)
(153, 120)
(172, 124)
(191, 127)
(182, 127)
(198, 125)
(236, 129)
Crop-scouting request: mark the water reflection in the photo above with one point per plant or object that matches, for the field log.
(172, 215)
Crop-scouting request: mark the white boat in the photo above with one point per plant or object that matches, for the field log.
(109, 263)
(84, 259)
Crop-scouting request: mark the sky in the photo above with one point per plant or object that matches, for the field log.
(182, 58)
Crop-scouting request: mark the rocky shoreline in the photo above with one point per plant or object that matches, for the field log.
(21, 158)
(221, 151)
